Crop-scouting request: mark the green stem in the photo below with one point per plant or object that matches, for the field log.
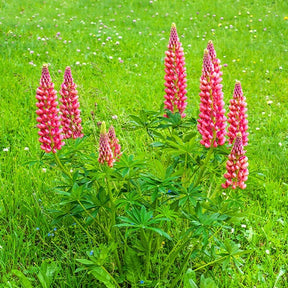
(148, 255)
(209, 195)
(210, 263)
(107, 234)
(180, 273)
(85, 230)
(204, 166)
(112, 278)
(113, 222)
(61, 166)
(172, 255)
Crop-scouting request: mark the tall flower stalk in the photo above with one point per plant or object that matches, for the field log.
(105, 151)
(217, 96)
(70, 113)
(212, 122)
(48, 114)
(114, 143)
(236, 166)
(175, 75)
(237, 117)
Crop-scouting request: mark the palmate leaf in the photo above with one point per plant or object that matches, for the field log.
(142, 219)
(159, 231)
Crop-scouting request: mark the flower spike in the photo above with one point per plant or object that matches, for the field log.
(175, 75)
(236, 166)
(70, 118)
(114, 143)
(237, 117)
(105, 152)
(212, 122)
(48, 118)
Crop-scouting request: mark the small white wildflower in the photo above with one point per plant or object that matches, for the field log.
(280, 144)
(44, 170)
(257, 128)
(269, 102)
(243, 225)
(71, 170)
(280, 67)
(232, 230)
(114, 117)
(6, 149)
(267, 251)
(26, 149)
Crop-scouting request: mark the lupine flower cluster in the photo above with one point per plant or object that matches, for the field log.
(114, 143)
(51, 133)
(70, 118)
(237, 172)
(212, 122)
(109, 147)
(175, 75)
(237, 117)
(48, 114)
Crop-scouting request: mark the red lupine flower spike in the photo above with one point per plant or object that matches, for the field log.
(217, 95)
(114, 143)
(48, 118)
(70, 118)
(236, 166)
(205, 123)
(105, 152)
(212, 122)
(237, 117)
(175, 75)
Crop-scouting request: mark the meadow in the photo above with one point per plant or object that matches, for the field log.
(116, 52)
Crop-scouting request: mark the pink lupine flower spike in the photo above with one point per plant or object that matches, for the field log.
(237, 117)
(212, 122)
(217, 95)
(237, 172)
(114, 143)
(48, 118)
(175, 75)
(105, 151)
(70, 118)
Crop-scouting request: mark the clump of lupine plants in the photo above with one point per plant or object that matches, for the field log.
(163, 220)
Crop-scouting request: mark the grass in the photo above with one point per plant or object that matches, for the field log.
(250, 39)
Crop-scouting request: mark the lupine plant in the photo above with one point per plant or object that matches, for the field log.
(175, 75)
(48, 114)
(70, 113)
(143, 216)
